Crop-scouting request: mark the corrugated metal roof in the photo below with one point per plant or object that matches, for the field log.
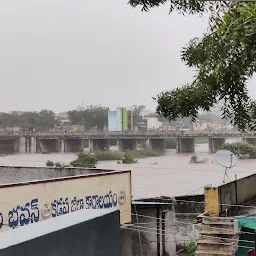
(149, 203)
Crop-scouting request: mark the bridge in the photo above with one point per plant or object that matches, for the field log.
(47, 142)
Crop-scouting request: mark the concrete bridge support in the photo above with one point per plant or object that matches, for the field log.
(34, 145)
(100, 144)
(21, 144)
(156, 144)
(28, 144)
(48, 145)
(251, 141)
(185, 145)
(86, 143)
(127, 144)
(73, 145)
(215, 144)
(17, 145)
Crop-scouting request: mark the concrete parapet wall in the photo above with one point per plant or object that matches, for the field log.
(10, 174)
(222, 198)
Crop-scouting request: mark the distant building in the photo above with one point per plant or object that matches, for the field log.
(215, 126)
(63, 118)
(141, 124)
(120, 120)
(153, 123)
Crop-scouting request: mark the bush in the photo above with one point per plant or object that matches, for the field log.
(49, 163)
(171, 143)
(58, 164)
(146, 153)
(107, 155)
(112, 155)
(128, 158)
(241, 149)
(196, 160)
(85, 160)
(190, 248)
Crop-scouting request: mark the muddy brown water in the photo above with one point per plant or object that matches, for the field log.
(169, 175)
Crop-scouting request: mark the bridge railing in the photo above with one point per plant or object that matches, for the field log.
(129, 134)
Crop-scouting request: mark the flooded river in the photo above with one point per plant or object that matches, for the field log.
(169, 175)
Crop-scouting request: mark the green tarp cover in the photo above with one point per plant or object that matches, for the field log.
(247, 222)
(247, 225)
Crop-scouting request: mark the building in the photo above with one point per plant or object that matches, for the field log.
(153, 123)
(149, 232)
(63, 118)
(228, 222)
(84, 232)
(63, 211)
(141, 124)
(61, 191)
(120, 120)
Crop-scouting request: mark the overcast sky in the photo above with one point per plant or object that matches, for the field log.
(56, 53)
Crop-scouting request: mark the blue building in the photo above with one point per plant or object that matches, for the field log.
(115, 120)
(120, 120)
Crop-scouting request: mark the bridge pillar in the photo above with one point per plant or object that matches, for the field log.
(62, 145)
(215, 144)
(156, 144)
(100, 144)
(74, 145)
(22, 145)
(17, 145)
(127, 144)
(48, 145)
(33, 147)
(185, 145)
(28, 144)
(251, 141)
(86, 143)
(38, 149)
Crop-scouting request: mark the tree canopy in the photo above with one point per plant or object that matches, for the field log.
(136, 113)
(42, 120)
(224, 58)
(90, 117)
(183, 6)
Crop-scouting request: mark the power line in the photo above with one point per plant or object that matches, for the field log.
(208, 236)
(210, 203)
(186, 223)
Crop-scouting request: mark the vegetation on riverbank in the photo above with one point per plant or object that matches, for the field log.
(128, 158)
(115, 155)
(241, 149)
(56, 164)
(88, 160)
(91, 158)
(196, 160)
